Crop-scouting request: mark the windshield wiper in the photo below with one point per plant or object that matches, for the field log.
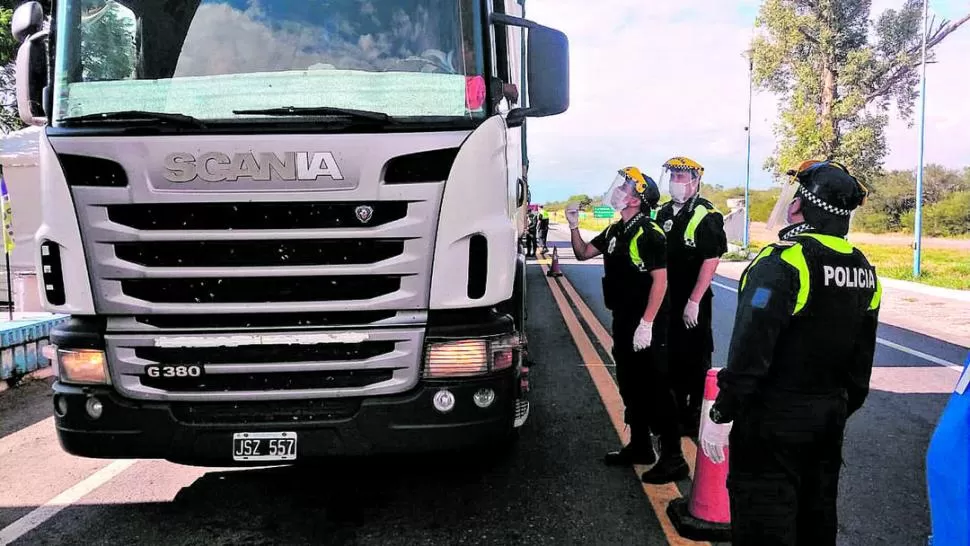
(137, 115)
(319, 111)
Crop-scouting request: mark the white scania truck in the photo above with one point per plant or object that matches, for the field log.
(285, 229)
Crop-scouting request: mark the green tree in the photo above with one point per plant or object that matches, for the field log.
(837, 82)
(9, 120)
(107, 43)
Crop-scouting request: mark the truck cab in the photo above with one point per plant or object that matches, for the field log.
(285, 229)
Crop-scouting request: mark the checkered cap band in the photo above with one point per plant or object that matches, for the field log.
(817, 201)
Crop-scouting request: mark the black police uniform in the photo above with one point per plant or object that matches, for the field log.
(531, 235)
(799, 365)
(690, 349)
(632, 250)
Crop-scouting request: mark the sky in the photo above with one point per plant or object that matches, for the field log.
(653, 80)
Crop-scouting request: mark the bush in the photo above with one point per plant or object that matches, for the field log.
(948, 217)
(872, 221)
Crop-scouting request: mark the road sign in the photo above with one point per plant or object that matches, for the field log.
(602, 212)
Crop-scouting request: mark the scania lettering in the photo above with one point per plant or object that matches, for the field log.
(218, 167)
(286, 232)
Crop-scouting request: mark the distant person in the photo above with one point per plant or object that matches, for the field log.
(695, 243)
(544, 229)
(799, 365)
(532, 233)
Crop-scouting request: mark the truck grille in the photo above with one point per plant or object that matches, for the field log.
(259, 253)
(271, 381)
(248, 257)
(265, 353)
(242, 215)
(285, 365)
(264, 320)
(260, 289)
(276, 411)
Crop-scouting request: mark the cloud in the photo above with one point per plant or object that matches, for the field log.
(654, 80)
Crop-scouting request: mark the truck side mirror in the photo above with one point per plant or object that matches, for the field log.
(31, 67)
(28, 19)
(548, 69)
(32, 78)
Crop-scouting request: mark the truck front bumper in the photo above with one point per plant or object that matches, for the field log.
(202, 434)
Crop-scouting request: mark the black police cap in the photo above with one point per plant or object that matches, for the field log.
(829, 186)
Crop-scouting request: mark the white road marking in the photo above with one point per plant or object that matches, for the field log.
(887, 343)
(43, 513)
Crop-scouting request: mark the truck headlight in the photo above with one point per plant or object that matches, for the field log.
(457, 358)
(470, 357)
(82, 366)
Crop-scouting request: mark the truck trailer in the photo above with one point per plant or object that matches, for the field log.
(285, 229)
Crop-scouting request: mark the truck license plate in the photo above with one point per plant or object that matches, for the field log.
(264, 446)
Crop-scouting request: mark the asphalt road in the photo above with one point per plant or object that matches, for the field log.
(551, 489)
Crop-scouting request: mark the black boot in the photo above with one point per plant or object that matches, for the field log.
(671, 468)
(639, 453)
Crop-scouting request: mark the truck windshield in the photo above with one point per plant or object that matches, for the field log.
(414, 60)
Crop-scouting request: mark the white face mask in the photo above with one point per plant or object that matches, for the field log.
(680, 193)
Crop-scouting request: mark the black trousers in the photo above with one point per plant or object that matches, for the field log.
(531, 244)
(644, 382)
(690, 355)
(783, 479)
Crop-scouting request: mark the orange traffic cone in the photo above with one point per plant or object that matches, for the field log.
(707, 514)
(554, 271)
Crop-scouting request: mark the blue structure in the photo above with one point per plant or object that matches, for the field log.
(948, 469)
(22, 343)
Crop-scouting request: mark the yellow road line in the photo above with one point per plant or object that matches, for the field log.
(658, 495)
(606, 340)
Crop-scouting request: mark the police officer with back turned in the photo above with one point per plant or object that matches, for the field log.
(799, 365)
(634, 289)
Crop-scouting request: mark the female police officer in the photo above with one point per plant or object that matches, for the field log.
(634, 289)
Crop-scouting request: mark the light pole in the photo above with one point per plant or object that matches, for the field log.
(918, 228)
(747, 177)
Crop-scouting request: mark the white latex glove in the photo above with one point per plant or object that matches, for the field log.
(690, 313)
(572, 215)
(643, 336)
(713, 437)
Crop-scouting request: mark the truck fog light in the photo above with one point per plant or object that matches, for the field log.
(94, 407)
(444, 401)
(484, 398)
(60, 405)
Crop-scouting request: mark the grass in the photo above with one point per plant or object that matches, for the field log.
(939, 267)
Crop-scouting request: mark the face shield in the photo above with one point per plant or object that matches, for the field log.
(619, 192)
(778, 219)
(680, 184)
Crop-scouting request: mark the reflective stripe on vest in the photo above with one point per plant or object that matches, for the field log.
(877, 297)
(635, 250)
(766, 251)
(690, 234)
(795, 257)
